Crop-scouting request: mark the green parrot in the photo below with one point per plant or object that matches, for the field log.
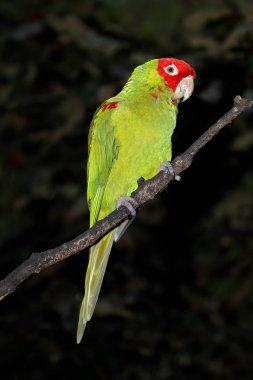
(129, 138)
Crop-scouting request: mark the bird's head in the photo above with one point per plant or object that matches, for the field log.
(178, 75)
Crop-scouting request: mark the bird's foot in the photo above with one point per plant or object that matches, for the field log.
(168, 169)
(128, 202)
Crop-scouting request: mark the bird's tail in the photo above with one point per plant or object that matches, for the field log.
(99, 255)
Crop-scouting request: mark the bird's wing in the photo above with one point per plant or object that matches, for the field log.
(103, 151)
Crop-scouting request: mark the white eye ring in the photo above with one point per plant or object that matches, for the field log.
(171, 69)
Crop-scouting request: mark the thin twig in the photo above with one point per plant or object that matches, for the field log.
(146, 191)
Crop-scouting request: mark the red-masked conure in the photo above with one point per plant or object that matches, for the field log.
(129, 138)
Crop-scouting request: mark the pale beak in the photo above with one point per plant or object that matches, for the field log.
(184, 88)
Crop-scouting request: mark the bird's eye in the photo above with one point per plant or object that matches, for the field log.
(171, 69)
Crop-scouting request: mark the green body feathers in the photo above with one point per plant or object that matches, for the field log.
(130, 137)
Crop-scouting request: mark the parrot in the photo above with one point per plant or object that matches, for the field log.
(129, 138)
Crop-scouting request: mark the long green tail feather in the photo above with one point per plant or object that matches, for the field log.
(99, 255)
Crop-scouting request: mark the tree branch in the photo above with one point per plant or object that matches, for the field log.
(146, 191)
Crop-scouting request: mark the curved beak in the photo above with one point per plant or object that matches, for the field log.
(184, 88)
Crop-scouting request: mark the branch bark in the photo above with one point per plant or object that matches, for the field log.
(146, 191)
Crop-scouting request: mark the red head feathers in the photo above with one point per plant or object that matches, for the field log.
(174, 70)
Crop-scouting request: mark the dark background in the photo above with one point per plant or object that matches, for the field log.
(177, 300)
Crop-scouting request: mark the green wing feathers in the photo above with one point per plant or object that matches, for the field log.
(99, 255)
(102, 153)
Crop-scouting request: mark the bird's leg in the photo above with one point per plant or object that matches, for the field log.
(128, 202)
(168, 169)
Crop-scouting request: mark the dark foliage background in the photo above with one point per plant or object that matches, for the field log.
(177, 298)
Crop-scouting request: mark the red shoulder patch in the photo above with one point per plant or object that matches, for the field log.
(109, 105)
(159, 88)
(113, 105)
